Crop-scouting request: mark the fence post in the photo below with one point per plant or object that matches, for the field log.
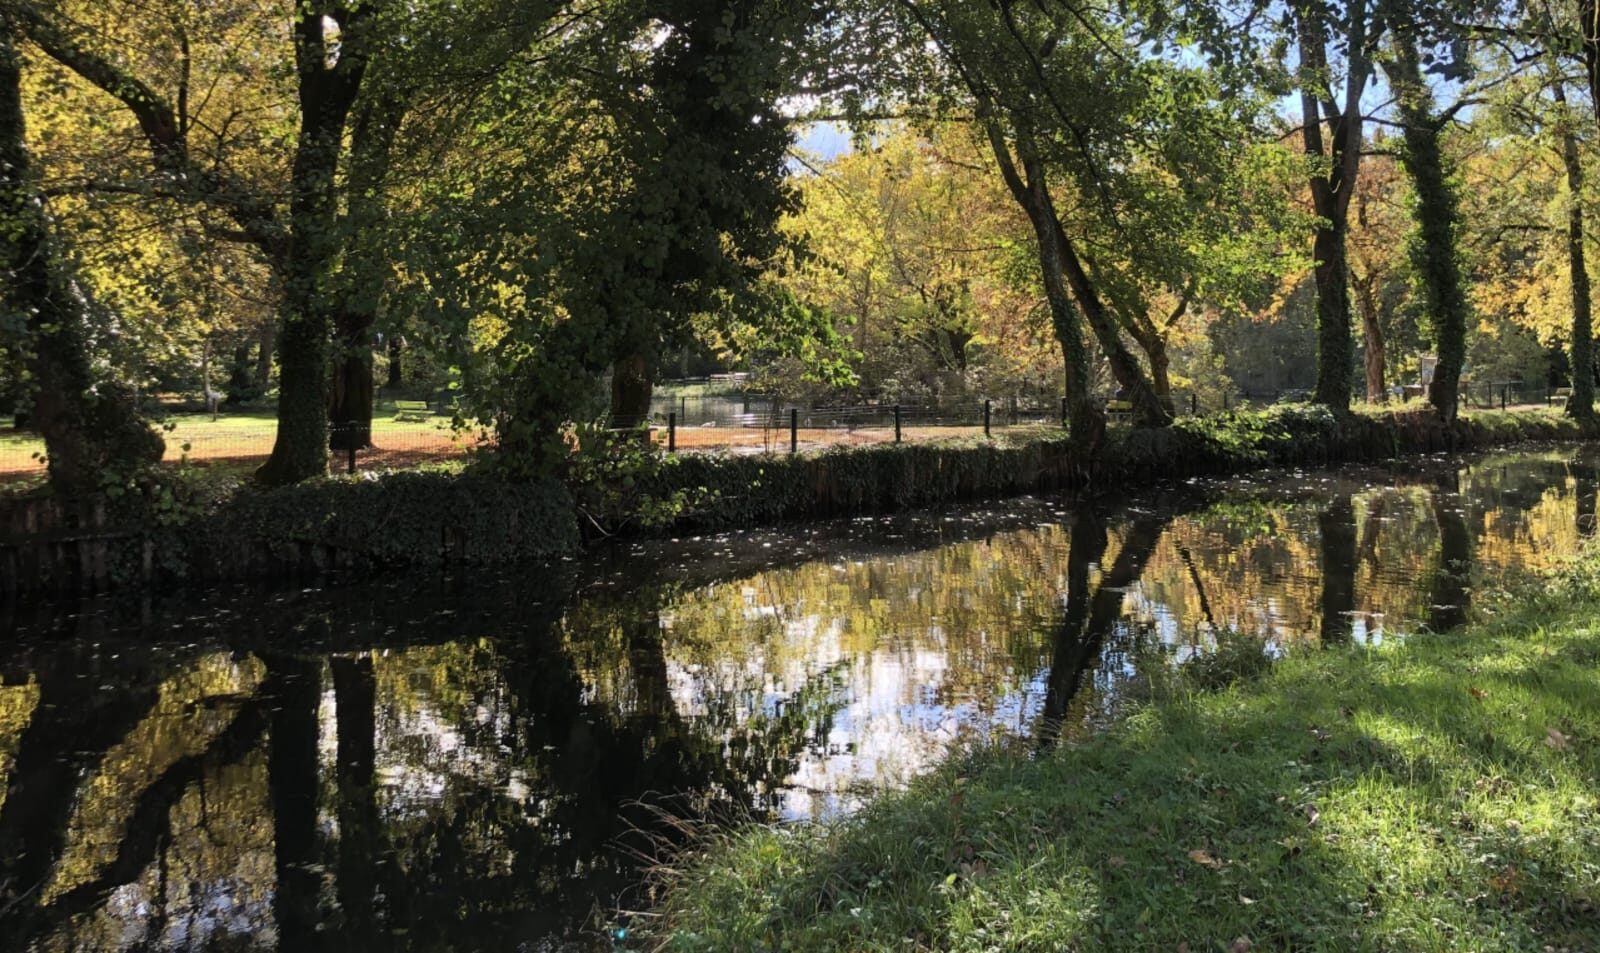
(794, 429)
(350, 449)
(1503, 389)
(896, 423)
(672, 433)
(987, 410)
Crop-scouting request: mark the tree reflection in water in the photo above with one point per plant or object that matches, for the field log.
(476, 764)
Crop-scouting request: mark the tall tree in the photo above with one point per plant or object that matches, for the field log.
(87, 429)
(1435, 256)
(1332, 123)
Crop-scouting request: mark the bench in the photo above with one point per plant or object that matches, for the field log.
(1119, 409)
(1561, 396)
(412, 411)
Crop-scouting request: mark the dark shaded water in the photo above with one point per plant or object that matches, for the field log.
(475, 764)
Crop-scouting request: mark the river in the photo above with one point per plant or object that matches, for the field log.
(487, 761)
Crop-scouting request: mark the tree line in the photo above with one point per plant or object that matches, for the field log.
(543, 196)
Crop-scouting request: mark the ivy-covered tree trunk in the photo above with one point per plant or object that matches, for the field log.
(1581, 403)
(1434, 255)
(86, 429)
(1086, 419)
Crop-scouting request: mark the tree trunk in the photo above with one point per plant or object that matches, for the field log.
(295, 686)
(1335, 357)
(363, 275)
(355, 695)
(266, 341)
(1451, 594)
(1438, 213)
(87, 430)
(1338, 155)
(1581, 403)
(632, 383)
(397, 353)
(1338, 525)
(1372, 335)
(326, 94)
(350, 409)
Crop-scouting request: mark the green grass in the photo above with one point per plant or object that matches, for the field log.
(1436, 795)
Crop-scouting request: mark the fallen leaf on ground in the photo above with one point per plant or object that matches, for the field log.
(1204, 859)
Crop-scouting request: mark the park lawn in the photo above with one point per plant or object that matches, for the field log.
(1441, 794)
(248, 434)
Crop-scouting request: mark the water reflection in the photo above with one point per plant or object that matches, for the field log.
(480, 763)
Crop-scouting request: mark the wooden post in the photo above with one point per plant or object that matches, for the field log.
(988, 407)
(896, 423)
(672, 433)
(794, 430)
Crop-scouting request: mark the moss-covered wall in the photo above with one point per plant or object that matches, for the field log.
(756, 490)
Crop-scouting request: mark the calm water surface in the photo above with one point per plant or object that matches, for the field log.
(478, 763)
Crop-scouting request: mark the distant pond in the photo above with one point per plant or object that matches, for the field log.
(478, 762)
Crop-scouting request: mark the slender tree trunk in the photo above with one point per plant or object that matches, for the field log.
(1372, 334)
(87, 429)
(1581, 403)
(1087, 421)
(1434, 254)
(1149, 410)
(266, 341)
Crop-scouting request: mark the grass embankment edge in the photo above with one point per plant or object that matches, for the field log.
(1437, 794)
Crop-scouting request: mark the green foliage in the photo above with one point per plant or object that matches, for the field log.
(616, 478)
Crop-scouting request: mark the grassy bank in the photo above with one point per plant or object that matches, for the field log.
(1436, 795)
